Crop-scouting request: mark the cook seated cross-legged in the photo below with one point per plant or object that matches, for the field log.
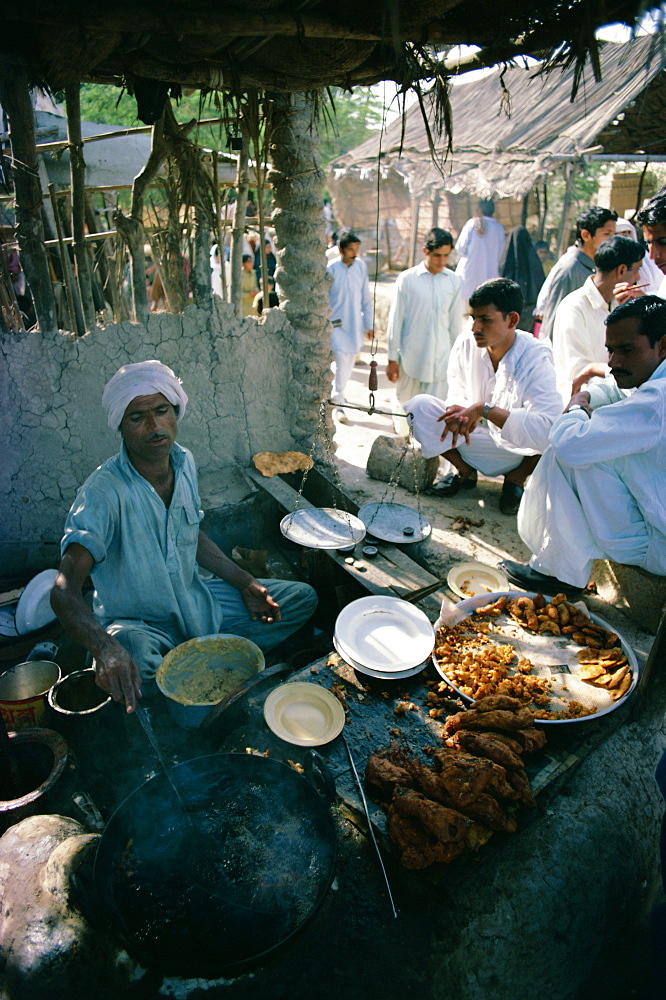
(600, 489)
(502, 399)
(134, 528)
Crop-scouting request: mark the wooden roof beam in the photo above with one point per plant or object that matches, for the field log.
(120, 18)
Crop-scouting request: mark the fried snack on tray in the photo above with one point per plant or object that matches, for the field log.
(495, 719)
(487, 745)
(479, 667)
(438, 811)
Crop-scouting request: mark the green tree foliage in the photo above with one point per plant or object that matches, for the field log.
(347, 120)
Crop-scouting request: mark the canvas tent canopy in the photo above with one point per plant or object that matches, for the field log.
(510, 129)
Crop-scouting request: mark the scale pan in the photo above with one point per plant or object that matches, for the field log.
(322, 528)
(394, 522)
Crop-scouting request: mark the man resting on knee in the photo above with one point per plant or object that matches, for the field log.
(599, 491)
(502, 399)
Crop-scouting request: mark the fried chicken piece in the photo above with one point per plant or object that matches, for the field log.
(495, 719)
(494, 701)
(426, 831)
(486, 744)
(488, 811)
(509, 741)
(418, 850)
(520, 785)
(427, 780)
(531, 739)
(386, 769)
(465, 776)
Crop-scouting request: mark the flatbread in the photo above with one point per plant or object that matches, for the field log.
(271, 463)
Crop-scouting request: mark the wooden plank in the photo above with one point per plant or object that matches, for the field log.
(390, 572)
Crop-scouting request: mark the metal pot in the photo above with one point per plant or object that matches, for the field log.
(23, 691)
(273, 867)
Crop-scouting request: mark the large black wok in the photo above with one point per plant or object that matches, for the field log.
(213, 887)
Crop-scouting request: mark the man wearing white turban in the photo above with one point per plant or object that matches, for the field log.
(134, 529)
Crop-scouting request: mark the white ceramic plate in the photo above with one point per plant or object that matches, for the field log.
(322, 528)
(34, 609)
(386, 671)
(548, 649)
(394, 675)
(305, 714)
(385, 633)
(387, 521)
(472, 579)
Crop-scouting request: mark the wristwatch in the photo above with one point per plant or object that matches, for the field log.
(577, 406)
(487, 407)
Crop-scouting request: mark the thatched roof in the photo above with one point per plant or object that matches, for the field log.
(287, 45)
(512, 127)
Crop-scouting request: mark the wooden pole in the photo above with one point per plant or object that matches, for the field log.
(77, 171)
(200, 276)
(564, 225)
(387, 234)
(73, 304)
(15, 100)
(218, 227)
(416, 204)
(436, 198)
(239, 226)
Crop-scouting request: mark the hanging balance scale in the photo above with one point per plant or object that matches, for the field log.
(331, 528)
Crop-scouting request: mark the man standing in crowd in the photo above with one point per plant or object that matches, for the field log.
(579, 334)
(501, 403)
(351, 313)
(573, 268)
(479, 247)
(134, 528)
(424, 320)
(599, 490)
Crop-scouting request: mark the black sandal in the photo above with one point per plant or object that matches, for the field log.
(452, 484)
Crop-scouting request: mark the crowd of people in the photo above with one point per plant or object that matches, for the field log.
(575, 428)
(556, 383)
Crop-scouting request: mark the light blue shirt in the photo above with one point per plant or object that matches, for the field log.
(144, 555)
(351, 305)
(424, 320)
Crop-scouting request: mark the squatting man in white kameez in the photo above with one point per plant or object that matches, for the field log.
(599, 491)
(351, 313)
(134, 528)
(501, 403)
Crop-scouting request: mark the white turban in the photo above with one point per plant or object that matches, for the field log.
(143, 378)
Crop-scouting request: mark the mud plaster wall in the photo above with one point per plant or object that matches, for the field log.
(236, 372)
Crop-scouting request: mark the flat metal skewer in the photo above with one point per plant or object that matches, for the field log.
(370, 830)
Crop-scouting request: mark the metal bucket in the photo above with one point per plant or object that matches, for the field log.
(23, 691)
(77, 701)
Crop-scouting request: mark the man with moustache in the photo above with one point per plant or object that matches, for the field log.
(134, 528)
(502, 399)
(599, 491)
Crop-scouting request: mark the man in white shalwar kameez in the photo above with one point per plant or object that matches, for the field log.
(499, 375)
(480, 248)
(351, 313)
(600, 489)
(579, 334)
(424, 320)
